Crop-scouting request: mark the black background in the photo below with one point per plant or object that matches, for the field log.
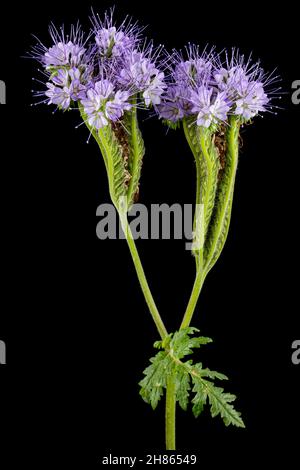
(76, 325)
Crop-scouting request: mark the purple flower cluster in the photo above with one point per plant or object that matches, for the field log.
(107, 73)
(210, 89)
(104, 103)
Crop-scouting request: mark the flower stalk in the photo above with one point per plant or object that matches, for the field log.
(142, 278)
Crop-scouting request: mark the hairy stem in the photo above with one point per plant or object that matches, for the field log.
(142, 278)
(193, 299)
(171, 414)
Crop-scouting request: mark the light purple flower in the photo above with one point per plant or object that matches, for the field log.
(93, 107)
(67, 50)
(104, 89)
(59, 96)
(175, 103)
(65, 86)
(140, 75)
(210, 108)
(152, 94)
(102, 103)
(112, 41)
(60, 77)
(246, 84)
(251, 101)
(115, 108)
(64, 54)
(78, 89)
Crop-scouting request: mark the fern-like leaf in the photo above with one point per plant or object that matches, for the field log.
(168, 363)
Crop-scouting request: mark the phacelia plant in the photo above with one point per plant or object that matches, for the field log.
(108, 75)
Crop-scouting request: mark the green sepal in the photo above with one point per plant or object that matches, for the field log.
(172, 125)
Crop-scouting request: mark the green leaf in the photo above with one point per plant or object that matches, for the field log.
(221, 404)
(200, 398)
(155, 379)
(167, 363)
(183, 387)
(182, 344)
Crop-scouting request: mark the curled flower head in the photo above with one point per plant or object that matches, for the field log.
(67, 50)
(67, 66)
(211, 88)
(249, 88)
(104, 103)
(114, 41)
(62, 54)
(76, 67)
(139, 73)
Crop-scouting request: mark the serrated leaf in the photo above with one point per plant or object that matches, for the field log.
(168, 363)
(200, 397)
(183, 344)
(221, 404)
(154, 382)
(183, 387)
(210, 374)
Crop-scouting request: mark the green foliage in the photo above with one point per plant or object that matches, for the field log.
(189, 377)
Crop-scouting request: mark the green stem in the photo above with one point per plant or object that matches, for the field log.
(200, 277)
(171, 414)
(142, 279)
